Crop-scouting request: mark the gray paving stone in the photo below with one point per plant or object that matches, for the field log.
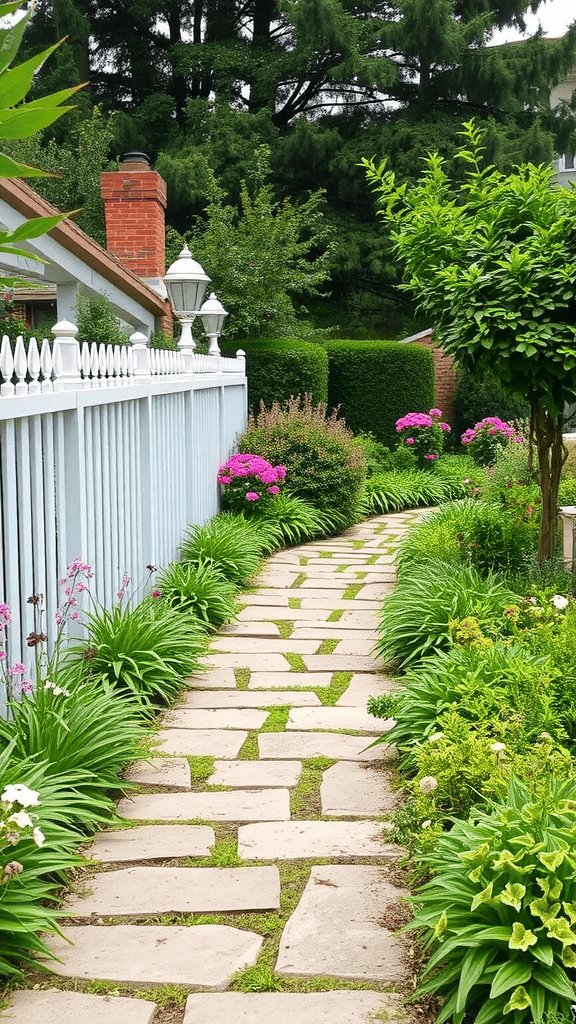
(214, 679)
(363, 619)
(269, 597)
(341, 663)
(202, 956)
(356, 719)
(333, 631)
(259, 680)
(332, 584)
(261, 774)
(146, 891)
(256, 662)
(284, 614)
(363, 648)
(364, 685)
(173, 772)
(335, 929)
(251, 646)
(376, 591)
(240, 805)
(214, 718)
(297, 840)
(338, 1007)
(247, 627)
(248, 699)
(352, 788)
(152, 842)
(334, 604)
(49, 1005)
(202, 742)
(287, 746)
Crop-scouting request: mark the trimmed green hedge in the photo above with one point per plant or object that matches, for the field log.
(377, 382)
(282, 367)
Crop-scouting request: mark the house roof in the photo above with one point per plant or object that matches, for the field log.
(26, 201)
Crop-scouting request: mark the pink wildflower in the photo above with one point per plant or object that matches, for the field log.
(252, 496)
(409, 440)
(16, 670)
(5, 615)
(75, 615)
(224, 479)
(431, 458)
(435, 412)
(273, 490)
(156, 593)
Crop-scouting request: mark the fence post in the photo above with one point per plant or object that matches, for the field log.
(66, 357)
(140, 354)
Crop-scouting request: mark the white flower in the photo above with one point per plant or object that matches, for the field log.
(497, 747)
(435, 736)
(559, 602)
(19, 794)
(21, 819)
(49, 686)
(57, 691)
(426, 824)
(428, 784)
(38, 837)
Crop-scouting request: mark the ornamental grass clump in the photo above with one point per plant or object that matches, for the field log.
(200, 589)
(486, 439)
(227, 544)
(499, 913)
(249, 478)
(424, 434)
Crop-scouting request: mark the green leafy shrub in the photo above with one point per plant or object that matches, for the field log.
(199, 588)
(228, 545)
(97, 322)
(324, 462)
(357, 370)
(556, 641)
(499, 911)
(486, 439)
(474, 400)
(505, 687)
(86, 729)
(281, 368)
(415, 619)
(142, 652)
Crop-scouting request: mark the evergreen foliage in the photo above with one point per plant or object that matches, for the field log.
(280, 368)
(375, 383)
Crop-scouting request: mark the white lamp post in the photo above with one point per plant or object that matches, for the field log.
(212, 315)
(186, 283)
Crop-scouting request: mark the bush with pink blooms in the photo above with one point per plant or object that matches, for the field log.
(249, 479)
(486, 439)
(423, 433)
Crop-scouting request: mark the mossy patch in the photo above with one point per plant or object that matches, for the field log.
(336, 615)
(249, 749)
(285, 628)
(352, 591)
(296, 662)
(328, 695)
(277, 718)
(305, 797)
(328, 646)
(242, 677)
(298, 581)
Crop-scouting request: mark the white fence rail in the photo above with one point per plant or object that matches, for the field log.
(106, 453)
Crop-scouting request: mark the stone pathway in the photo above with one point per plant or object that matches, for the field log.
(189, 892)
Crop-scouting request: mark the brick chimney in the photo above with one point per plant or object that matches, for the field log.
(134, 203)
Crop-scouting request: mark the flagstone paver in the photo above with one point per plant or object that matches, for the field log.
(336, 930)
(340, 1007)
(173, 772)
(202, 742)
(51, 1006)
(364, 685)
(287, 745)
(259, 680)
(215, 718)
(247, 699)
(144, 891)
(264, 805)
(152, 842)
(357, 719)
(353, 788)
(295, 840)
(205, 956)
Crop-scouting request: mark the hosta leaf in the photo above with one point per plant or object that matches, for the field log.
(519, 1000)
(491, 1011)
(483, 897)
(522, 938)
(550, 888)
(543, 951)
(556, 980)
(473, 967)
(560, 929)
(511, 974)
(512, 895)
(552, 860)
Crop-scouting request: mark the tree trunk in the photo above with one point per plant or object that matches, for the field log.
(551, 457)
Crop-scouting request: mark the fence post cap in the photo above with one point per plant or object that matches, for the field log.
(138, 338)
(65, 328)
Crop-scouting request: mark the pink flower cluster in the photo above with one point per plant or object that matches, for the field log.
(74, 572)
(490, 425)
(426, 431)
(243, 466)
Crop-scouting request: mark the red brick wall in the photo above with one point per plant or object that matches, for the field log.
(446, 377)
(134, 203)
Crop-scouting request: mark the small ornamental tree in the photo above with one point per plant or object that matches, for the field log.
(492, 263)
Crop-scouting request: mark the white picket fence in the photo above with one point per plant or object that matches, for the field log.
(106, 453)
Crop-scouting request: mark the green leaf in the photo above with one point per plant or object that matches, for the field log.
(22, 122)
(515, 972)
(552, 860)
(559, 929)
(10, 168)
(473, 967)
(15, 82)
(543, 951)
(10, 39)
(556, 980)
(522, 938)
(32, 228)
(512, 895)
(519, 1000)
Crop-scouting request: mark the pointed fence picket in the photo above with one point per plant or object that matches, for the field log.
(107, 453)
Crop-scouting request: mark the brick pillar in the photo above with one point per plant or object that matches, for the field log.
(446, 376)
(134, 202)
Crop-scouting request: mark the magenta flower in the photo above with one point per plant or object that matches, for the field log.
(5, 615)
(224, 479)
(273, 490)
(2, 655)
(75, 615)
(445, 426)
(156, 593)
(409, 440)
(16, 670)
(431, 458)
(435, 412)
(252, 496)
